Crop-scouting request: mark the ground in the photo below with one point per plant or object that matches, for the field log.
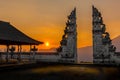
(62, 72)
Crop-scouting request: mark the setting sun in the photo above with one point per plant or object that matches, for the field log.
(47, 44)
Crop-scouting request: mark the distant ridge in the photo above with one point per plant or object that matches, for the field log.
(116, 42)
(86, 53)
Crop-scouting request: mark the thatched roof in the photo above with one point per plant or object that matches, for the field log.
(9, 35)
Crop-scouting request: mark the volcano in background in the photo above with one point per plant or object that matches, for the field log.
(116, 43)
(85, 54)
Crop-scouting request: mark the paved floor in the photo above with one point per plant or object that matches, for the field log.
(61, 72)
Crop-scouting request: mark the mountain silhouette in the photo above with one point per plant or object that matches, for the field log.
(85, 54)
(116, 42)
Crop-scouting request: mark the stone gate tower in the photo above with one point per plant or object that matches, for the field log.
(103, 49)
(68, 48)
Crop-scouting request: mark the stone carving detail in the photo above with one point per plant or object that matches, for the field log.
(68, 44)
(102, 46)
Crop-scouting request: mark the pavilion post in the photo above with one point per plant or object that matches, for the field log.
(12, 49)
(30, 47)
(30, 51)
(34, 49)
(7, 54)
(34, 52)
(0, 57)
(19, 53)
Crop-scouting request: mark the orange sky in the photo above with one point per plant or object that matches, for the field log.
(44, 20)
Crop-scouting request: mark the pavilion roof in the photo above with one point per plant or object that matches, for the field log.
(9, 35)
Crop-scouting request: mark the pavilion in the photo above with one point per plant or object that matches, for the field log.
(9, 35)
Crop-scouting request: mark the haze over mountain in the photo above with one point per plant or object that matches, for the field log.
(86, 53)
(116, 42)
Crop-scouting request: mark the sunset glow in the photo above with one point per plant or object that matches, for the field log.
(45, 19)
(47, 44)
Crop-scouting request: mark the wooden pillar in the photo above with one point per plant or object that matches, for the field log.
(12, 49)
(30, 52)
(0, 57)
(19, 53)
(18, 48)
(30, 47)
(7, 54)
(34, 52)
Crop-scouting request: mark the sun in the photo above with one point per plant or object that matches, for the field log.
(47, 44)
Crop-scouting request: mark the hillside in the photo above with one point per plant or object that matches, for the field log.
(86, 53)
